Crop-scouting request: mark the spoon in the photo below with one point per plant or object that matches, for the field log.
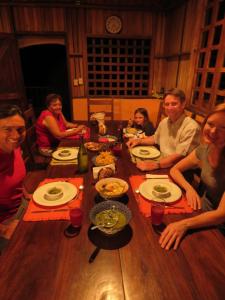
(107, 224)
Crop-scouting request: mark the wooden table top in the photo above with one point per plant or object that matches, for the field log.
(41, 263)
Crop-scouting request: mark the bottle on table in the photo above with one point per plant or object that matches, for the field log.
(82, 157)
(120, 133)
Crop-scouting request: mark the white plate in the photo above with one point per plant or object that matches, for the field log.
(73, 154)
(146, 189)
(153, 152)
(69, 192)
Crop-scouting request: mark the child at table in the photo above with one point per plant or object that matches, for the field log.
(142, 122)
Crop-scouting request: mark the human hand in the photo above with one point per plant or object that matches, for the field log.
(147, 165)
(132, 143)
(173, 234)
(193, 199)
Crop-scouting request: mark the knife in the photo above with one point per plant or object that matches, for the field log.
(94, 254)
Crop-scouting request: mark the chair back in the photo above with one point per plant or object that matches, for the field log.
(101, 105)
(161, 114)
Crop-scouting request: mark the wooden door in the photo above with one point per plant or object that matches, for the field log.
(11, 78)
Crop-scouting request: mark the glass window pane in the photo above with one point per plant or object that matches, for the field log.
(221, 10)
(220, 99)
(195, 97)
(222, 82)
(205, 36)
(209, 80)
(198, 79)
(206, 98)
(213, 58)
(208, 16)
(201, 60)
(217, 35)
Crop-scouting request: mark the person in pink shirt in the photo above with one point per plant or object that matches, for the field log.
(52, 126)
(12, 168)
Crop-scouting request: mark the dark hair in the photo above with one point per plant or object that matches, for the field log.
(176, 93)
(143, 112)
(9, 110)
(51, 98)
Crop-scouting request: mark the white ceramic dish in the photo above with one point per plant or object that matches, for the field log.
(139, 152)
(69, 192)
(146, 190)
(73, 152)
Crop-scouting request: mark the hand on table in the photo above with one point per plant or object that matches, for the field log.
(147, 165)
(132, 143)
(193, 199)
(173, 234)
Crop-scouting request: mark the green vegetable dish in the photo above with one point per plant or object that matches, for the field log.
(111, 218)
(54, 191)
(160, 189)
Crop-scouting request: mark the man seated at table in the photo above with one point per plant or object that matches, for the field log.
(177, 135)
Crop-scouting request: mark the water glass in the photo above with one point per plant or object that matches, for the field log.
(157, 213)
(76, 217)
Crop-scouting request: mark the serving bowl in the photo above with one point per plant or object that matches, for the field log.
(112, 187)
(110, 209)
(53, 193)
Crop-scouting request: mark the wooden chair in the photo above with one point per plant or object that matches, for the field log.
(101, 105)
(161, 114)
(35, 160)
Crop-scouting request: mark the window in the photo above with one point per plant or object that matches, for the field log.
(118, 66)
(209, 81)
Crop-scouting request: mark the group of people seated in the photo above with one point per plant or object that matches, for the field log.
(182, 144)
(184, 147)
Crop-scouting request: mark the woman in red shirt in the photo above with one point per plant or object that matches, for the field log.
(52, 126)
(12, 168)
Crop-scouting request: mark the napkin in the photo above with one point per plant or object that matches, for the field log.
(63, 210)
(145, 205)
(156, 176)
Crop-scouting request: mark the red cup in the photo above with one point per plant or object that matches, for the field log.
(157, 213)
(117, 149)
(76, 217)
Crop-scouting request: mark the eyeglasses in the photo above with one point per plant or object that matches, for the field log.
(10, 129)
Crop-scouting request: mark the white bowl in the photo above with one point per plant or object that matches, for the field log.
(53, 193)
(64, 153)
(144, 152)
(161, 190)
(112, 187)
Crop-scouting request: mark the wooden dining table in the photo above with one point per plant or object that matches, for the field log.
(40, 262)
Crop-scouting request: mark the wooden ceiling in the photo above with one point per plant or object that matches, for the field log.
(118, 4)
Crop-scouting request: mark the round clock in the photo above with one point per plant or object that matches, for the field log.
(113, 24)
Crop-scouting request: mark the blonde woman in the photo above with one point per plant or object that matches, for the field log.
(210, 157)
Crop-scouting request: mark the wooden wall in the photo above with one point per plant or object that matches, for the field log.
(171, 33)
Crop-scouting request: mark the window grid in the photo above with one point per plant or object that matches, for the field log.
(209, 79)
(118, 66)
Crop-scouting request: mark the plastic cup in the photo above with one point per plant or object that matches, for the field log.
(157, 213)
(76, 217)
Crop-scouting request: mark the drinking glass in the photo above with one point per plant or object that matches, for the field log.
(157, 213)
(117, 149)
(76, 217)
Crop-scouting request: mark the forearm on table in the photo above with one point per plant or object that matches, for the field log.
(205, 219)
(169, 161)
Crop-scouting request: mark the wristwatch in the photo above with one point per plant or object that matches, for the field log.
(113, 24)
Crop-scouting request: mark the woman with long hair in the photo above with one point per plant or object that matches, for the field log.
(210, 157)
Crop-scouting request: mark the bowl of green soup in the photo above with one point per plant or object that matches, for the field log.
(110, 216)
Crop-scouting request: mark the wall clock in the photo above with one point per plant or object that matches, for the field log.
(113, 24)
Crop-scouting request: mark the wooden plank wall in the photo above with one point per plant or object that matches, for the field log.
(171, 33)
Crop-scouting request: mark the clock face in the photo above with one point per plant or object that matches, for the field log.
(113, 24)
